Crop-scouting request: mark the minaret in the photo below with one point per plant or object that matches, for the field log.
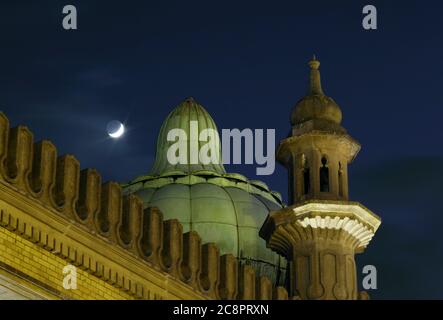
(321, 230)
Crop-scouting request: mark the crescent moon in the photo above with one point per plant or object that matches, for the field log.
(119, 132)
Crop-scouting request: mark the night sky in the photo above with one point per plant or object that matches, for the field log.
(246, 62)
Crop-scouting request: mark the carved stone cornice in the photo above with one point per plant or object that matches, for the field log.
(289, 224)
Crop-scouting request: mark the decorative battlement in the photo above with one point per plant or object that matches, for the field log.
(71, 213)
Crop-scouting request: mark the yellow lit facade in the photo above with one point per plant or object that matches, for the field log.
(53, 214)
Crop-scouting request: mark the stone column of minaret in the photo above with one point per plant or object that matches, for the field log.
(321, 230)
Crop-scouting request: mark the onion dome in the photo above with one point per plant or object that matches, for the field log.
(224, 208)
(181, 117)
(316, 105)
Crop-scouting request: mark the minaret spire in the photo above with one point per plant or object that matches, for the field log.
(321, 230)
(315, 81)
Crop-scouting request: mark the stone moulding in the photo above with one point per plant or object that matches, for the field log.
(350, 220)
(351, 217)
(354, 228)
(69, 212)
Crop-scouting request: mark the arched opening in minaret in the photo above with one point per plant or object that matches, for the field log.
(340, 180)
(306, 177)
(324, 175)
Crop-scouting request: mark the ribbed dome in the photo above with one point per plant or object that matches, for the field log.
(316, 106)
(224, 208)
(181, 117)
(225, 211)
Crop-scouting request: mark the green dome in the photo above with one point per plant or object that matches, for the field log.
(180, 117)
(224, 208)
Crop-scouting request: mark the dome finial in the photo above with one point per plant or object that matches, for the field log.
(314, 63)
(315, 82)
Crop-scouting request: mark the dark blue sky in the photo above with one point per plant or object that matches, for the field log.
(246, 62)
